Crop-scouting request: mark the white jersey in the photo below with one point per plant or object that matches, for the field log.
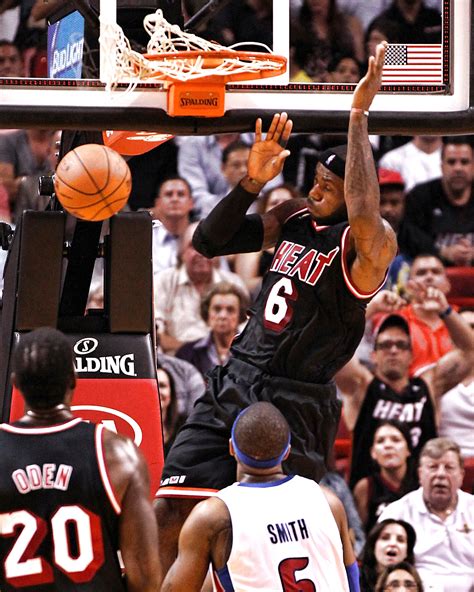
(284, 537)
(457, 417)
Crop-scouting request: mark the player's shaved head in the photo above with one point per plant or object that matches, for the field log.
(43, 369)
(261, 432)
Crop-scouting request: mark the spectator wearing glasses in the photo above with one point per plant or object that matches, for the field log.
(400, 577)
(443, 517)
(390, 393)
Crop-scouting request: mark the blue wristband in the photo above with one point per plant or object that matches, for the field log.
(353, 577)
(445, 313)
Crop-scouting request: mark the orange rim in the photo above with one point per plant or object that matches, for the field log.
(213, 59)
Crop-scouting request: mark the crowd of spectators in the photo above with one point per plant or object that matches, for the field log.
(412, 379)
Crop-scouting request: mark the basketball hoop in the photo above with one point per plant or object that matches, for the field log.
(196, 80)
(193, 70)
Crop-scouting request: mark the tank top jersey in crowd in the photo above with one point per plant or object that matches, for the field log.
(305, 325)
(380, 494)
(412, 406)
(284, 537)
(58, 513)
(309, 317)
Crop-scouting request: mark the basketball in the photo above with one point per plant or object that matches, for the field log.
(92, 182)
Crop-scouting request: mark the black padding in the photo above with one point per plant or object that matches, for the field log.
(129, 273)
(39, 270)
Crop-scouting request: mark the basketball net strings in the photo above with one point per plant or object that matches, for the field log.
(123, 64)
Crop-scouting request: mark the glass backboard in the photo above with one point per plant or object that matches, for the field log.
(426, 85)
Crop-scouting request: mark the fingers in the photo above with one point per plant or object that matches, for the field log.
(286, 133)
(258, 130)
(380, 54)
(280, 129)
(273, 127)
(283, 156)
(433, 293)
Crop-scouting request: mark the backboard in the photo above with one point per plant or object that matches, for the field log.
(427, 88)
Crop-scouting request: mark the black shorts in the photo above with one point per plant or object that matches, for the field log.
(199, 463)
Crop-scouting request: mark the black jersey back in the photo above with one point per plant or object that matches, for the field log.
(308, 318)
(412, 406)
(58, 527)
(381, 494)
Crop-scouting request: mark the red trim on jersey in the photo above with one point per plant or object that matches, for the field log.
(38, 431)
(297, 213)
(346, 273)
(185, 492)
(104, 475)
(318, 228)
(217, 583)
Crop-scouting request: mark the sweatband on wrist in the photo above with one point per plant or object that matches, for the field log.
(357, 110)
(353, 577)
(445, 313)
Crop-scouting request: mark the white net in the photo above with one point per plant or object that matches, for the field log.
(122, 64)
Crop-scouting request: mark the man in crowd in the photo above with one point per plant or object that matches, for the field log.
(430, 335)
(11, 61)
(390, 393)
(417, 161)
(234, 164)
(200, 161)
(392, 208)
(26, 154)
(443, 517)
(308, 318)
(443, 209)
(171, 216)
(252, 532)
(72, 494)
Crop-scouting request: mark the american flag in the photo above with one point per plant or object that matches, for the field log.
(413, 64)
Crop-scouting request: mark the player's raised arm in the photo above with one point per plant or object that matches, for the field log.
(372, 238)
(227, 229)
(138, 534)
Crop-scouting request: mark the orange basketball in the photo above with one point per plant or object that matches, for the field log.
(92, 182)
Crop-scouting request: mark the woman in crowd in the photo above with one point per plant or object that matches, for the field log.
(322, 20)
(393, 474)
(389, 542)
(170, 417)
(344, 68)
(400, 576)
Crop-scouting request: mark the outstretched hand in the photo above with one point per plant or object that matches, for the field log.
(268, 155)
(370, 84)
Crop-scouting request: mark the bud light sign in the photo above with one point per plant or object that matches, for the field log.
(65, 47)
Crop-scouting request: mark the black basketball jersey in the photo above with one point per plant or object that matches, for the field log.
(308, 318)
(412, 406)
(58, 512)
(380, 495)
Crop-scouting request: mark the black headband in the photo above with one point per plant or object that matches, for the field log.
(332, 161)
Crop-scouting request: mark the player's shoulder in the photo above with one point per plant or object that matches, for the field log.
(121, 450)
(211, 514)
